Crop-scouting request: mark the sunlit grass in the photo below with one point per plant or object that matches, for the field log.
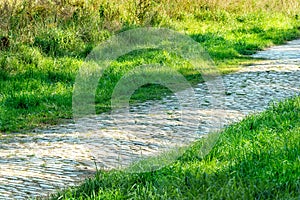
(48, 44)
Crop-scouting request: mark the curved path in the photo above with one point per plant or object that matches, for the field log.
(41, 162)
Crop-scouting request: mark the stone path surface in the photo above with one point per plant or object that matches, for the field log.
(38, 163)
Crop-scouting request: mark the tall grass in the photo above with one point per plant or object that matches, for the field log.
(24, 20)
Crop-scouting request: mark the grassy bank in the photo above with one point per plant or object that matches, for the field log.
(43, 45)
(257, 158)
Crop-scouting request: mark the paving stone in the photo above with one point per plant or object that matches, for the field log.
(60, 156)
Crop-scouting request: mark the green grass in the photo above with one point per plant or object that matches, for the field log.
(257, 158)
(47, 46)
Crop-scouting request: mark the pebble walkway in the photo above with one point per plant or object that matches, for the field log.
(43, 161)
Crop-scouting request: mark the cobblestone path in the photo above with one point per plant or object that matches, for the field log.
(38, 163)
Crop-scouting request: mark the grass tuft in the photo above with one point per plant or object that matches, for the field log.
(257, 158)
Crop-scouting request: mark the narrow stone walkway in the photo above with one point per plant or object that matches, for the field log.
(43, 161)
